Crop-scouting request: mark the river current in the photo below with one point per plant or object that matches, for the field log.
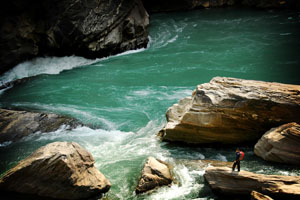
(123, 98)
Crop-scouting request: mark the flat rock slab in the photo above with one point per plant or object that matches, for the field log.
(225, 182)
(155, 173)
(281, 144)
(231, 111)
(15, 125)
(58, 170)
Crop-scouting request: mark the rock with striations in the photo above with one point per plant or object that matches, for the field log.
(155, 173)
(153, 6)
(58, 170)
(224, 182)
(281, 144)
(15, 125)
(259, 196)
(94, 28)
(231, 111)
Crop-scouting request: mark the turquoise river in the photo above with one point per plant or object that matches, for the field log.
(123, 98)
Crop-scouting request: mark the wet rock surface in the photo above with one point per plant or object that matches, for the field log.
(231, 111)
(281, 144)
(154, 174)
(60, 170)
(15, 125)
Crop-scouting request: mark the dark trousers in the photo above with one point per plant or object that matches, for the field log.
(236, 162)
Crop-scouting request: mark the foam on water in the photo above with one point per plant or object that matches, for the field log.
(185, 184)
(53, 65)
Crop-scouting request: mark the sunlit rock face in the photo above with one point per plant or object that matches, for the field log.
(224, 182)
(231, 111)
(281, 144)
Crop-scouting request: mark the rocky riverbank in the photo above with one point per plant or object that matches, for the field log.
(231, 111)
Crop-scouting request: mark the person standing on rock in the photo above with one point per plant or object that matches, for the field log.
(237, 160)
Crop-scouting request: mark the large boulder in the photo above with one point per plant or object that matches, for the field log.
(179, 5)
(93, 28)
(155, 173)
(231, 111)
(227, 183)
(58, 170)
(281, 144)
(15, 125)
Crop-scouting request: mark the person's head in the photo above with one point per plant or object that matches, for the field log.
(237, 150)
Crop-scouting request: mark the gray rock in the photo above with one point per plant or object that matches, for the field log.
(15, 125)
(94, 28)
(58, 170)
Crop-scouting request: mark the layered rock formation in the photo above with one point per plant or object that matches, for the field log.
(231, 111)
(94, 28)
(225, 182)
(281, 144)
(259, 196)
(155, 173)
(15, 125)
(177, 5)
(58, 170)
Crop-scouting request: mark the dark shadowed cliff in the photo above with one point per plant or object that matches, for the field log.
(93, 28)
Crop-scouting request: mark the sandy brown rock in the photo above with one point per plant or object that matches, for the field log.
(231, 111)
(155, 173)
(281, 144)
(259, 196)
(58, 170)
(225, 182)
(15, 125)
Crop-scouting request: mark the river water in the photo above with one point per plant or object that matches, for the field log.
(123, 98)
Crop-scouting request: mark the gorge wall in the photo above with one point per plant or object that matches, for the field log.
(94, 28)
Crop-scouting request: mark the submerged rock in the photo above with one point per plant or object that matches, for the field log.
(91, 28)
(259, 196)
(15, 125)
(231, 111)
(155, 173)
(58, 170)
(281, 144)
(225, 182)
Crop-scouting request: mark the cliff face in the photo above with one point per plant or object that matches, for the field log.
(178, 5)
(93, 28)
